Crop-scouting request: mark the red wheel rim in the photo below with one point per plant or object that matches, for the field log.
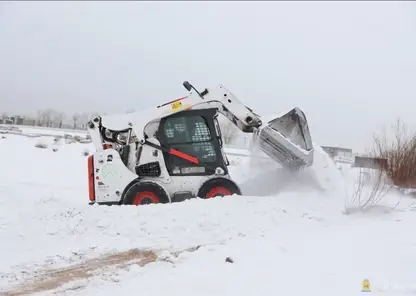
(218, 191)
(145, 196)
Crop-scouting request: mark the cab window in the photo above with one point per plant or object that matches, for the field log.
(190, 135)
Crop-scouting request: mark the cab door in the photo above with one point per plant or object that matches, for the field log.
(192, 132)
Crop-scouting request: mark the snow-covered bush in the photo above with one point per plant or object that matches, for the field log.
(370, 188)
(57, 140)
(400, 152)
(85, 152)
(41, 143)
(372, 185)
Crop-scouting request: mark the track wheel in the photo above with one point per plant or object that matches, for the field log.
(218, 187)
(142, 193)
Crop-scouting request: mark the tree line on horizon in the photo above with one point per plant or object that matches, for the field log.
(58, 119)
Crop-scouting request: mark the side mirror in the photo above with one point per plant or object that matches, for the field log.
(187, 85)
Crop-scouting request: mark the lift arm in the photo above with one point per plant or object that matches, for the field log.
(285, 138)
(226, 103)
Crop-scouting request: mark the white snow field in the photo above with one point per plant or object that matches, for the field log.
(283, 237)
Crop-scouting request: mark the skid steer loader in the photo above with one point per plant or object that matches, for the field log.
(175, 151)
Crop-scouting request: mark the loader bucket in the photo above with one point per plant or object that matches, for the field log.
(287, 140)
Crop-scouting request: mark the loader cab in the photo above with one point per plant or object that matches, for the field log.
(196, 133)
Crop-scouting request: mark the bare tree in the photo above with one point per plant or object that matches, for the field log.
(400, 152)
(399, 169)
(39, 118)
(370, 189)
(75, 119)
(58, 119)
(49, 117)
(228, 130)
(83, 120)
(44, 117)
(94, 114)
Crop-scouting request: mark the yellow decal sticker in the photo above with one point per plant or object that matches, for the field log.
(176, 105)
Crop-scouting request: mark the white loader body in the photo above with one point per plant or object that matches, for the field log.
(174, 151)
(112, 178)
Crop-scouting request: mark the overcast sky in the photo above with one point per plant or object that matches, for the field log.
(351, 66)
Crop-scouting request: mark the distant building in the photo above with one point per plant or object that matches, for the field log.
(6, 120)
(28, 121)
(337, 151)
(339, 154)
(371, 162)
(16, 120)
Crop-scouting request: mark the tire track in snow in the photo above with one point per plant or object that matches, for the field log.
(45, 280)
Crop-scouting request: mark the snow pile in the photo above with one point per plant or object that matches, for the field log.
(325, 171)
(42, 143)
(260, 175)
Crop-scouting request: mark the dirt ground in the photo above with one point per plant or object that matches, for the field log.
(51, 279)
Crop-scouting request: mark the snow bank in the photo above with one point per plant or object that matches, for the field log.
(293, 241)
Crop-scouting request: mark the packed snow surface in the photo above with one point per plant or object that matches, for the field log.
(288, 235)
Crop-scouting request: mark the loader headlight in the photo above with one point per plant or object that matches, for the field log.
(249, 119)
